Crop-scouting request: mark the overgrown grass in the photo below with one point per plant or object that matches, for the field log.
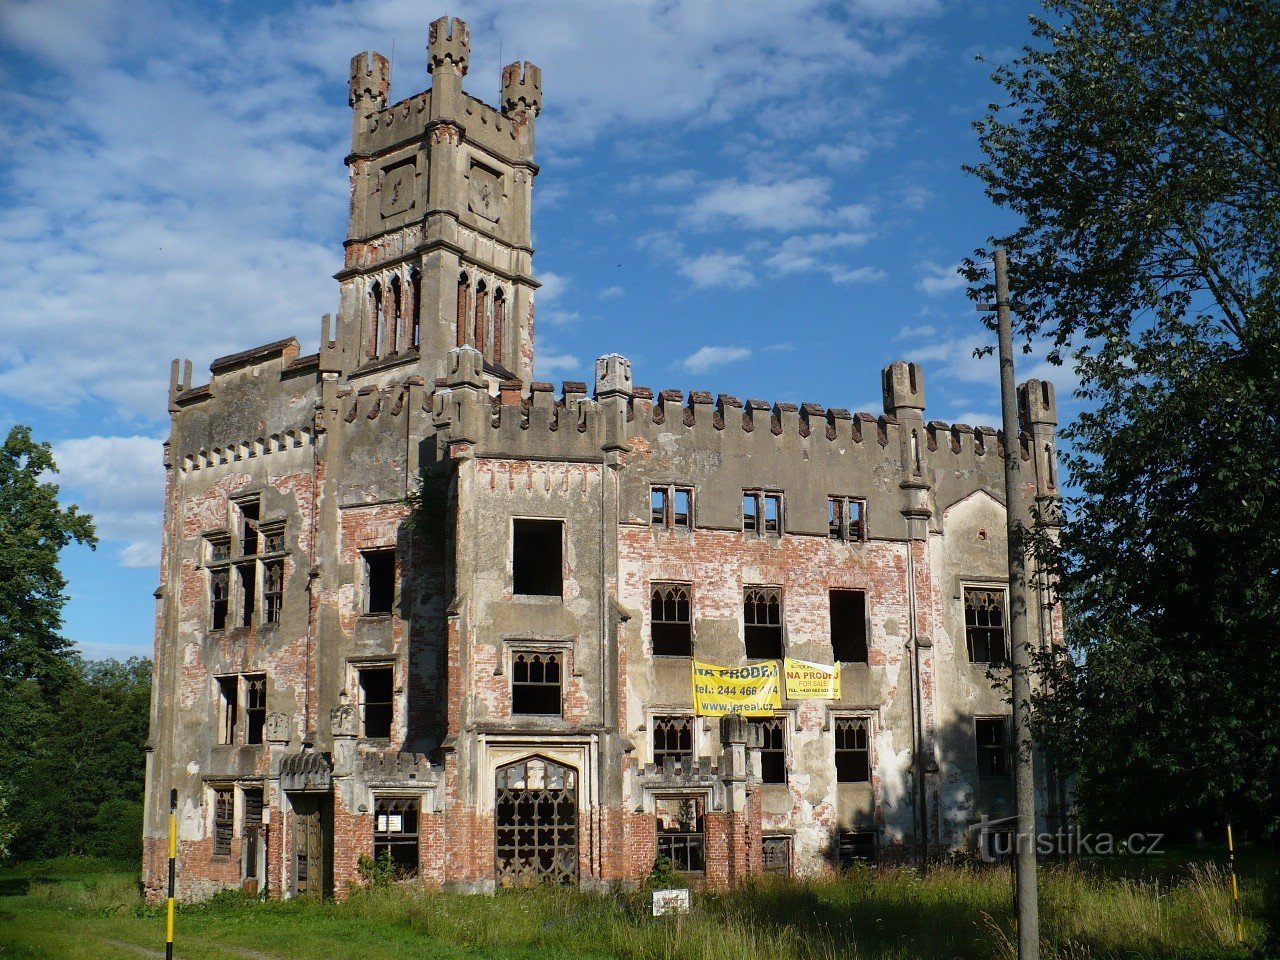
(74, 908)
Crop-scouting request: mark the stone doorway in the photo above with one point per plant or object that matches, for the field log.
(536, 823)
(312, 845)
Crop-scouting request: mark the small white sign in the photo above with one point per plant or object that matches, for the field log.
(670, 901)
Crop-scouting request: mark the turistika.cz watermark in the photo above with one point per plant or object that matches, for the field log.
(998, 838)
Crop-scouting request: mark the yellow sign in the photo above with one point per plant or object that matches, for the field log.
(750, 690)
(812, 681)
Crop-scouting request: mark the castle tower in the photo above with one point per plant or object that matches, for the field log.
(438, 250)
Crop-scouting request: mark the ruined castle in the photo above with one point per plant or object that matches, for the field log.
(418, 607)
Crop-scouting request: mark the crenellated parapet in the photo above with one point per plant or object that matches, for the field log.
(449, 46)
(521, 90)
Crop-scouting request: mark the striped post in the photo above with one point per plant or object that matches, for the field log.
(1235, 887)
(173, 870)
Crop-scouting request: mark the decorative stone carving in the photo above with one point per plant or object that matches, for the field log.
(342, 720)
(278, 728)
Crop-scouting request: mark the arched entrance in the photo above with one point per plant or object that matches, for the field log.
(535, 816)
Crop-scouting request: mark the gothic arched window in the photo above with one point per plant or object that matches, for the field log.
(499, 322)
(415, 307)
(375, 319)
(482, 312)
(395, 316)
(464, 307)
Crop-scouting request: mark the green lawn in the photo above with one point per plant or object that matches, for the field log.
(90, 909)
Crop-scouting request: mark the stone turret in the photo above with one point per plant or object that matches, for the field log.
(903, 387)
(449, 55)
(368, 87)
(1038, 416)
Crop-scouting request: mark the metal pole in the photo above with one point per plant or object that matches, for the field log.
(1235, 887)
(173, 871)
(1028, 907)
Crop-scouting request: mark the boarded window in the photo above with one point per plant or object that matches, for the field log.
(255, 707)
(849, 625)
(853, 750)
(854, 847)
(376, 689)
(771, 735)
(379, 581)
(224, 820)
(846, 519)
(682, 832)
(993, 752)
(535, 683)
(536, 563)
(671, 627)
(219, 589)
(777, 855)
(247, 579)
(984, 626)
(395, 833)
(272, 590)
(228, 708)
(673, 740)
(762, 619)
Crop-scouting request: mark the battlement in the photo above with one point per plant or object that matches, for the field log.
(449, 45)
(521, 89)
(370, 82)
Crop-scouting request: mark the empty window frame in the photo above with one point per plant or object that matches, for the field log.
(219, 595)
(224, 820)
(379, 581)
(853, 750)
(984, 625)
(777, 855)
(376, 700)
(771, 735)
(228, 708)
(672, 740)
(761, 511)
(536, 683)
(671, 506)
(846, 519)
(273, 538)
(854, 847)
(395, 834)
(849, 625)
(536, 557)
(249, 516)
(253, 812)
(670, 620)
(247, 587)
(682, 832)
(272, 590)
(762, 622)
(991, 734)
(255, 707)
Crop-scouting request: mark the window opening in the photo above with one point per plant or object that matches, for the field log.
(218, 588)
(762, 619)
(993, 755)
(255, 707)
(393, 327)
(273, 540)
(849, 625)
(536, 823)
(379, 581)
(536, 562)
(415, 305)
(464, 309)
(219, 549)
(777, 855)
(984, 626)
(253, 810)
(671, 627)
(658, 506)
(772, 513)
(771, 736)
(375, 325)
(535, 683)
(248, 576)
(375, 702)
(228, 708)
(750, 513)
(682, 832)
(272, 590)
(499, 322)
(846, 519)
(395, 834)
(683, 514)
(673, 741)
(482, 314)
(224, 820)
(249, 515)
(853, 750)
(854, 847)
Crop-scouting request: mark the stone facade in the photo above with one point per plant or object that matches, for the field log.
(366, 640)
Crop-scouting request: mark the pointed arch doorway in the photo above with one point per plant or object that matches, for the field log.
(536, 823)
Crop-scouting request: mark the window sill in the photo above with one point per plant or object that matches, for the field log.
(377, 616)
(547, 598)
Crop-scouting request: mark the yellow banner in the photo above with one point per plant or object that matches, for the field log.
(752, 690)
(811, 681)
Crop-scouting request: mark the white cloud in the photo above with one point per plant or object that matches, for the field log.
(913, 333)
(778, 204)
(120, 481)
(984, 418)
(548, 299)
(548, 362)
(937, 280)
(707, 358)
(609, 293)
(718, 270)
(858, 275)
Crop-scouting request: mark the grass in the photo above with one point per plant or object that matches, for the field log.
(76, 908)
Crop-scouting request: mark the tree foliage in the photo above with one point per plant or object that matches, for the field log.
(34, 528)
(1139, 146)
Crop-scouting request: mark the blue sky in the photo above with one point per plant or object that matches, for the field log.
(757, 198)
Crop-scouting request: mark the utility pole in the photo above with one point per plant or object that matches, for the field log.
(1027, 901)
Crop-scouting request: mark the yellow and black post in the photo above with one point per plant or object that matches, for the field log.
(1235, 887)
(173, 871)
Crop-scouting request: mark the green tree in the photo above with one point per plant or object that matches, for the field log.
(1138, 144)
(34, 528)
